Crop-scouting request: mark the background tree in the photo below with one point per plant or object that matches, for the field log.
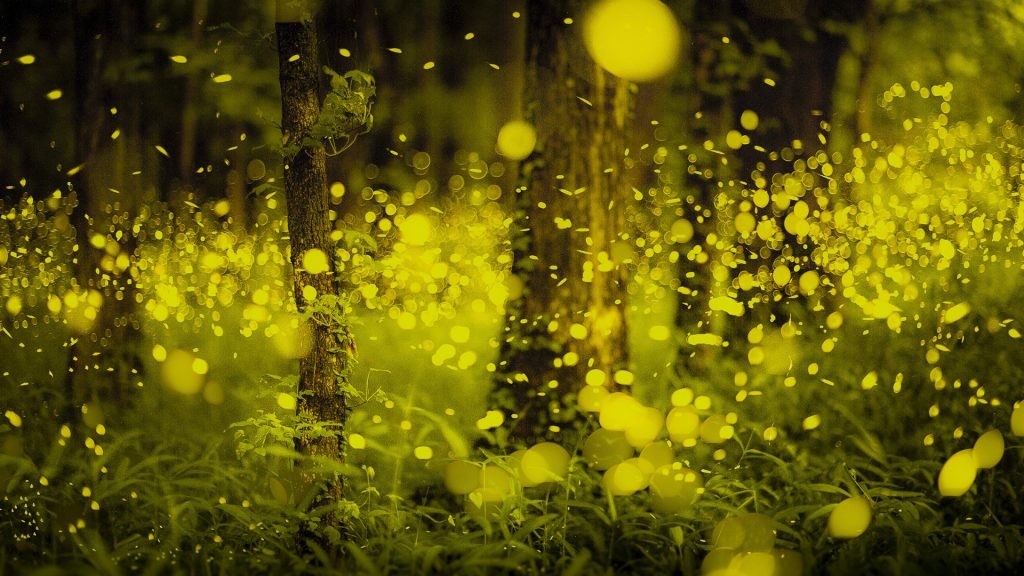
(567, 314)
(109, 202)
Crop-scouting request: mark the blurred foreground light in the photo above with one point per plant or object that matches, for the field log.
(179, 374)
(619, 410)
(624, 479)
(491, 420)
(681, 231)
(645, 428)
(545, 462)
(675, 488)
(605, 448)
(958, 474)
(516, 140)
(286, 401)
(655, 455)
(292, 338)
(1017, 420)
(988, 449)
(416, 230)
(637, 40)
(850, 518)
(461, 477)
(683, 424)
(314, 261)
(591, 397)
(356, 441)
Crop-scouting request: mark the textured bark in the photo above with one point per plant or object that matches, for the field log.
(321, 371)
(577, 173)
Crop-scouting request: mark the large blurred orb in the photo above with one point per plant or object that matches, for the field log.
(545, 462)
(637, 40)
(516, 140)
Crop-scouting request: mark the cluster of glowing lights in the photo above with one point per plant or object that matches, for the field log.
(746, 544)
(487, 485)
(961, 469)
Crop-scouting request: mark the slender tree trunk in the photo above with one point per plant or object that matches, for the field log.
(791, 114)
(697, 266)
(190, 105)
(322, 370)
(868, 64)
(104, 358)
(567, 310)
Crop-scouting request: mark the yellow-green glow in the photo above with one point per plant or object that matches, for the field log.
(417, 230)
(314, 261)
(624, 479)
(179, 372)
(1017, 420)
(988, 449)
(545, 462)
(674, 488)
(958, 474)
(850, 518)
(516, 140)
(638, 40)
(461, 477)
(605, 448)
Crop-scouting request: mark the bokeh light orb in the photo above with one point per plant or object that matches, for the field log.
(1017, 420)
(675, 488)
(461, 477)
(637, 40)
(606, 448)
(182, 372)
(850, 518)
(545, 462)
(624, 479)
(591, 397)
(516, 140)
(416, 230)
(495, 483)
(683, 424)
(619, 411)
(655, 455)
(958, 474)
(988, 449)
(645, 428)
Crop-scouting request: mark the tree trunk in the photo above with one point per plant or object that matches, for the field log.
(323, 369)
(567, 270)
(792, 111)
(710, 117)
(104, 357)
(190, 105)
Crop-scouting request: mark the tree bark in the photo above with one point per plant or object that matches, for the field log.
(567, 267)
(323, 369)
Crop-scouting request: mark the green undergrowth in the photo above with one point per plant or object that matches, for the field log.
(155, 505)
